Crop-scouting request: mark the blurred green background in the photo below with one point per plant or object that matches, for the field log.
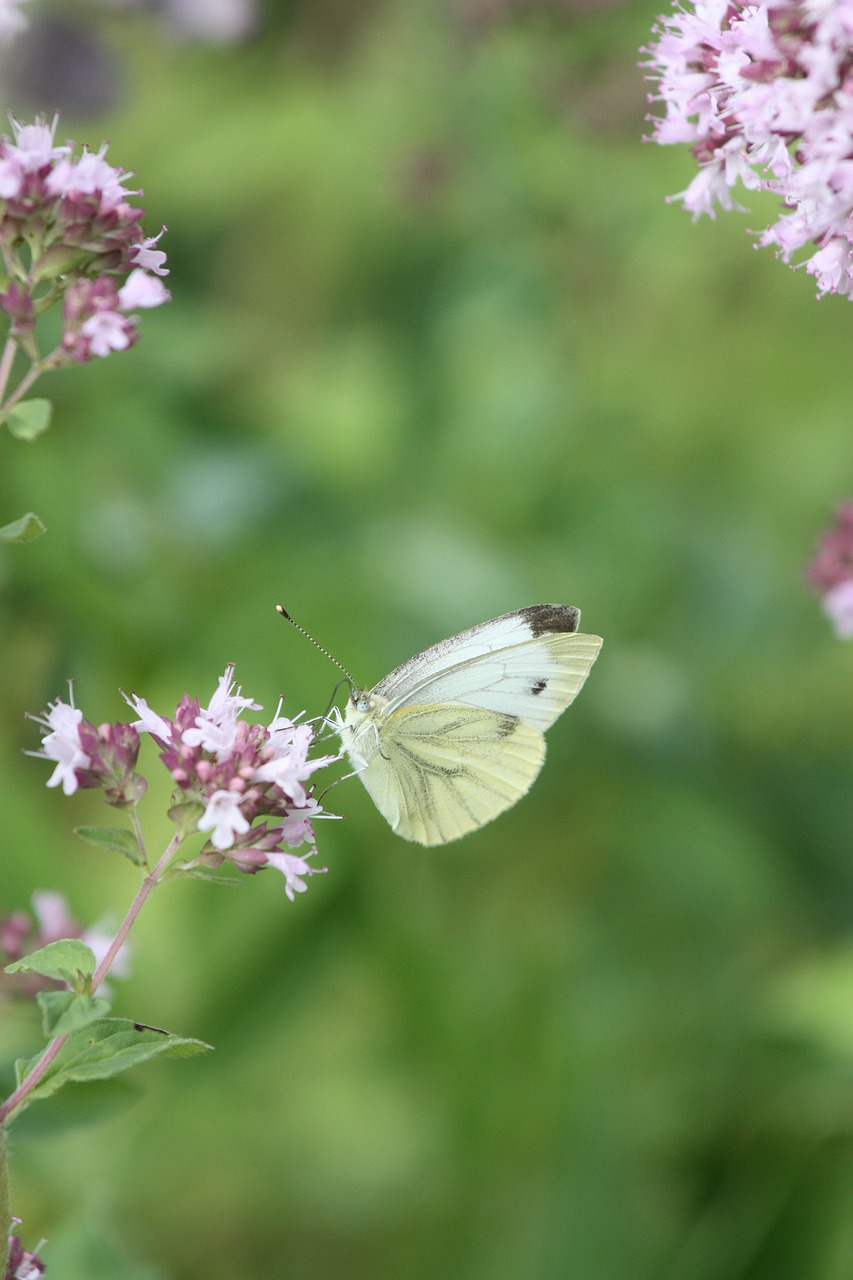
(439, 349)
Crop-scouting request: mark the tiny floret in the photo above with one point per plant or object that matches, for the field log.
(63, 744)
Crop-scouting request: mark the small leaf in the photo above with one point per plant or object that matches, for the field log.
(185, 817)
(29, 419)
(68, 960)
(106, 1048)
(204, 873)
(26, 529)
(116, 839)
(63, 1011)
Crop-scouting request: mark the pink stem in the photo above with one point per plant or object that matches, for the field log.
(26, 1086)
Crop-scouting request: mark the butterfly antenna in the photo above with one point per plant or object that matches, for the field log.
(281, 609)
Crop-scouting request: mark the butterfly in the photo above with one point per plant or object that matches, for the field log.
(454, 736)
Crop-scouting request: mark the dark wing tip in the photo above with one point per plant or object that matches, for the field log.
(546, 618)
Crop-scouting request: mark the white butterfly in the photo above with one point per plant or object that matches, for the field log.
(454, 736)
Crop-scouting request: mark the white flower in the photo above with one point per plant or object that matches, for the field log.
(149, 721)
(289, 766)
(292, 868)
(33, 147)
(54, 918)
(216, 728)
(838, 606)
(62, 744)
(224, 818)
(142, 290)
(99, 938)
(215, 736)
(86, 175)
(225, 701)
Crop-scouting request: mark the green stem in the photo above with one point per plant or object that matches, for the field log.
(137, 827)
(148, 884)
(23, 386)
(6, 361)
(5, 1205)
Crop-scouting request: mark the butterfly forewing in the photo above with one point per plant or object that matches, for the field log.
(534, 677)
(443, 771)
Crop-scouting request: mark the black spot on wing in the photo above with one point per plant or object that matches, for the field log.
(538, 687)
(544, 619)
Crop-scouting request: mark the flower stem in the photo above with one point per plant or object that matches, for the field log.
(140, 838)
(23, 386)
(148, 884)
(6, 361)
(5, 1204)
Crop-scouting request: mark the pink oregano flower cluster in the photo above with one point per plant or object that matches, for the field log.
(763, 93)
(228, 774)
(69, 230)
(831, 571)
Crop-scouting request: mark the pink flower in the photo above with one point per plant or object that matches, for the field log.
(142, 290)
(831, 572)
(245, 786)
(21, 1264)
(69, 220)
(763, 94)
(21, 934)
(149, 258)
(107, 331)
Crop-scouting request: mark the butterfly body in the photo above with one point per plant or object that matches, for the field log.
(453, 737)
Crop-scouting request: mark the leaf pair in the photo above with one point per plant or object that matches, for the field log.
(96, 1047)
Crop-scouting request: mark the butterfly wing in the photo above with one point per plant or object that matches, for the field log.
(531, 664)
(438, 772)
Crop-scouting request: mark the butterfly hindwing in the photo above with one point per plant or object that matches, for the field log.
(437, 772)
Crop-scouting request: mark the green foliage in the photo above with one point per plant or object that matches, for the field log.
(29, 419)
(114, 839)
(26, 529)
(67, 1011)
(68, 960)
(106, 1047)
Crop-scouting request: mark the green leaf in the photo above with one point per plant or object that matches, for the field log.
(204, 873)
(185, 816)
(116, 839)
(106, 1048)
(68, 960)
(63, 1012)
(26, 529)
(29, 419)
